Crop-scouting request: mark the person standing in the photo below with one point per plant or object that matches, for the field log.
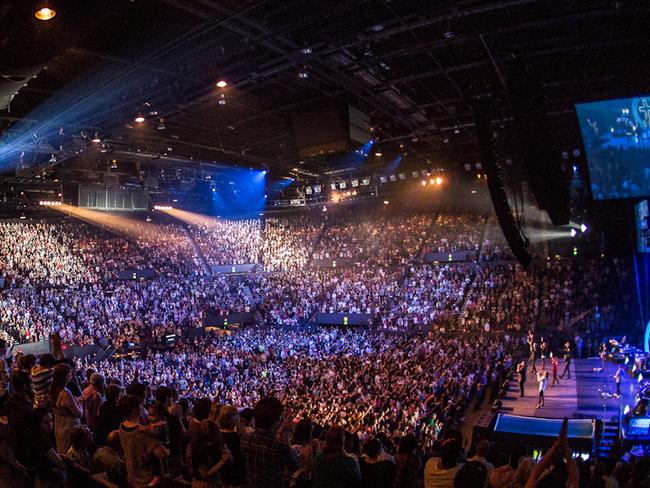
(333, 466)
(603, 356)
(266, 452)
(618, 376)
(92, 399)
(542, 351)
(142, 452)
(67, 411)
(533, 357)
(554, 366)
(521, 377)
(542, 381)
(567, 360)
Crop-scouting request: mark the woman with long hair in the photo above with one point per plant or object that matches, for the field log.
(303, 445)
(209, 456)
(50, 468)
(333, 467)
(67, 411)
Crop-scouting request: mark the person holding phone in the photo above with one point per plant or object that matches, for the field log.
(551, 471)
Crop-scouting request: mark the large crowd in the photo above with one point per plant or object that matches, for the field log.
(384, 399)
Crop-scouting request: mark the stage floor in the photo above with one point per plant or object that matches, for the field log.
(578, 396)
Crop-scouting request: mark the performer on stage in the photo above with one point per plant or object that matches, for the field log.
(542, 351)
(603, 356)
(554, 365)
(542, 381)
(618, 376)
(567, 359)
(521, 377)
(533, 357)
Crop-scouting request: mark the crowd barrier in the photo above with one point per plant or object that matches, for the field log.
(215, 320)
(356, 319)
(449, 257)
(234, 268)
(137, 274)
(332, 263)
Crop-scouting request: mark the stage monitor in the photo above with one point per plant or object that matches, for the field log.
(616, 138)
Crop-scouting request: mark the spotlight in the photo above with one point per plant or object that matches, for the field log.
(386, 202)
(139, 118)
(222, 99)
(264, 172)
(583, 228)
(573, 232)
(438, 180)
(222, 83)
(45, 12)
(424, 182)
(432, 181)
(303, 75)
(306, 50)
(626, 410)
(162, 207)
(378, 154)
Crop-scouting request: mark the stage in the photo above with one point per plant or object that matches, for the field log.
(578, 397)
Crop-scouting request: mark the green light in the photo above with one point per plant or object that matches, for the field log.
(575, 251)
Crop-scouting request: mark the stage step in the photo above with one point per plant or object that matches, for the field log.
(608, 438)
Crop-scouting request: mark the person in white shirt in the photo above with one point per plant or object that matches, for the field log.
(542, 381)
(439, 472)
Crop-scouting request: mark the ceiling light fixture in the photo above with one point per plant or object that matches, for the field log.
(222, 83)
(45, 12)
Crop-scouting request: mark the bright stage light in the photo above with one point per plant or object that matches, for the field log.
(162, 207)
(378, 154)
(386, 202)
(583, 228)
(222, 83)
(573, 232)
(423, 182)
(438, 180)
(626, 410)
(45, 13)
(139, 119)
(432, 181)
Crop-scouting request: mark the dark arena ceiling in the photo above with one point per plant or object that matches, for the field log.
(412, 66)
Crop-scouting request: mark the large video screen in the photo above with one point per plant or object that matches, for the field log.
(616, 136)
